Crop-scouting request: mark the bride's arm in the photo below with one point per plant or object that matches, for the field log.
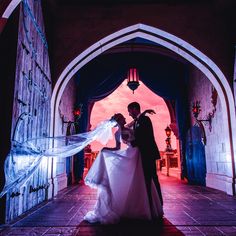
(118, 143)
(117, 147)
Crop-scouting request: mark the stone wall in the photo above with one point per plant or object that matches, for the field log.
(66, 108)
(217, 149)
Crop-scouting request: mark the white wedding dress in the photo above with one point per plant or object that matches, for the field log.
(119, 178)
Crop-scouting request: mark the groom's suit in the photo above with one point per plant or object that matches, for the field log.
(145, 141)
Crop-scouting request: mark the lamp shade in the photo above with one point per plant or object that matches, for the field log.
(133, 79)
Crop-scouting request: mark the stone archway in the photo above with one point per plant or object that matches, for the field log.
(9, 7)
(173, 43)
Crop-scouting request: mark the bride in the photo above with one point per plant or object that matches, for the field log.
(118, 176)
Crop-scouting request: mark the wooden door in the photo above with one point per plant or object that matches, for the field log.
(195, 157)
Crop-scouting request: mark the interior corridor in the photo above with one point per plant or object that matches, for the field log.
(189, 210)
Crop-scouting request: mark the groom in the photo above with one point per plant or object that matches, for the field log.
(144, 140)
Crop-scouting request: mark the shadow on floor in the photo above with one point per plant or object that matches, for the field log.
(127, 228)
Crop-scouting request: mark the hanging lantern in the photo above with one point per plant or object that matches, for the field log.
(133, 79)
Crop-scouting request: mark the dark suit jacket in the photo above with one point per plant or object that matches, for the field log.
(144, 139)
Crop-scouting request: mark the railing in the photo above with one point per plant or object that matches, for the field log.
(168, 161)
(89, 158)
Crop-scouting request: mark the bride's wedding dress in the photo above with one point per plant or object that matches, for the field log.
(119, 178)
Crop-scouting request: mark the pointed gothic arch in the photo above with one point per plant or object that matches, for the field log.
(173, 43)
(8, 7)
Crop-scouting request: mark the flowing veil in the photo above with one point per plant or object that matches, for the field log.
(24, 158)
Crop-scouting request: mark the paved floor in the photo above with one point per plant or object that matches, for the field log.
(189, 210)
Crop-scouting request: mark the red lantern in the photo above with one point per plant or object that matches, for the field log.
(168, 131)
(196, 108)
(133, 79)
(77, 112)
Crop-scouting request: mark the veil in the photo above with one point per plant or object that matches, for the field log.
(24, 158)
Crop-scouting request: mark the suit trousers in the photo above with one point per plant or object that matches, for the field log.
(150, 173)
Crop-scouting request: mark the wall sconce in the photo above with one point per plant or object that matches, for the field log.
(196, 109)
(77, 112)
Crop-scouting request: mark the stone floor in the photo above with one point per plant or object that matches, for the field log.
(189, 210)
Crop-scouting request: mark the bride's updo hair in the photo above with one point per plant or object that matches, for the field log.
(117, 117)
